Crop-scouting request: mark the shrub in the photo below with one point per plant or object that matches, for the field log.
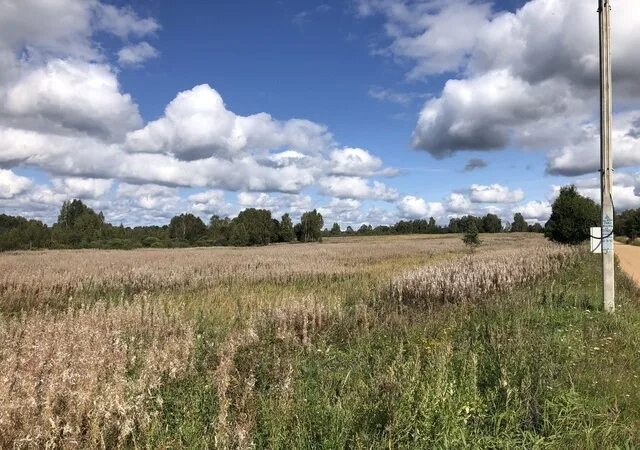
(471, 238)
(571, 216)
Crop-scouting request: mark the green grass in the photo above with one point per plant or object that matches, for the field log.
(541, 367)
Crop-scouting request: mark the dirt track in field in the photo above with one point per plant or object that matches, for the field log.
(629, 257)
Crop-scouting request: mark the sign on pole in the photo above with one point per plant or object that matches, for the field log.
(596, 241)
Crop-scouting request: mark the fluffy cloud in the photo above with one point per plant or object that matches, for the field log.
(71, 96)
(582, 155)
(197, 125)
(356, 187)
(437, 40)
(64, 112)
(294, 204)
(484, 113)
(136, 54)
(84, 188)
(122, 22)
(513, 84)
(357, 162)
(12, 184)
(66, 26)
(350, 212)
(535, 211)
(458, 204)
(411, 207)
(210, 202)
(149, 196)
(626, 190)
(495, 193)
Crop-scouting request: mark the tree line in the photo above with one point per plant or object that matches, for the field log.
(79, 226)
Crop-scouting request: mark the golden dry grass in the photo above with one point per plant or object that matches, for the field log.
(28, 279)
(88, 337)
(84, 377)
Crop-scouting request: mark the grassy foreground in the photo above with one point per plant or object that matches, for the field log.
(541, 367)
(272, 363)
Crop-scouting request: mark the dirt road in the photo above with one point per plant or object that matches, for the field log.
(629, 257)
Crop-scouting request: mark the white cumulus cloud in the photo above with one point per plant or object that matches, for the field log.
(356, 187)
(495, 193)
(136, 54)
(12, 184)
(411, 207)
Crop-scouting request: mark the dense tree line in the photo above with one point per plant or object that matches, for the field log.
(79, 226)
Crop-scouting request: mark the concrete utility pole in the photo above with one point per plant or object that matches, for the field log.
(606, 157)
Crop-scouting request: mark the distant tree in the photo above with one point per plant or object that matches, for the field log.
(70, 212)
(187, 227)
(78, 225)
(349, 230)
(491, 224)
(365, 229)
(628, 224)
(571, 216)
(276, 232)
(239, 235)
(312, 224)
(536, 228)
(432, 227)
(471, 237)
(18, 233)
(286, 229)
(519, 225)
(454, 225)
(298, 230)
(381, 230)
(219, 230)
(335, 230)
(258, 226)
(466, 221)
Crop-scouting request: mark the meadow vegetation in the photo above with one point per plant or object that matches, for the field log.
(373, 342)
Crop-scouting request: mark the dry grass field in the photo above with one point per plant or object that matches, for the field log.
(362, 342)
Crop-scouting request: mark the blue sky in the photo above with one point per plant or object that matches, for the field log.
(397, 97)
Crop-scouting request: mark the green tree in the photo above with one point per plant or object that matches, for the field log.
(571, 216)
(187, 227)
(471, 237)
(219, 230)
(239, 235)
(257, 224)
(18, 233)
(312, 224)
(78, 225)
(628, 224)
(365, 229)
(519, 225)
(335, 229)
(491, 224)
(536, 228)
(286, 229)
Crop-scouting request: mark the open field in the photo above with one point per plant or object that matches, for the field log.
(402, 342)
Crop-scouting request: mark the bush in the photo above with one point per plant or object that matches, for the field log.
(571, 216)
(471, 238)
(119, 244)
(151, 241)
